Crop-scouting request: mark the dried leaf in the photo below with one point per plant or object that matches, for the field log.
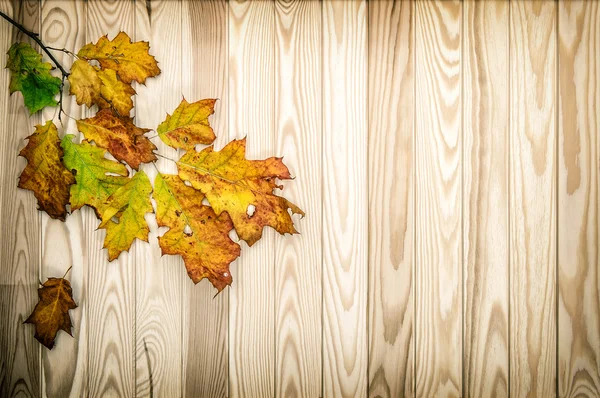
(130, 60)
(45, 174)
(206, 248)
(188, 125)
(124, 140)
(93, 184)
(233, 184)
(31, 76)
(128, 204)
(51, 313)
(115, 93)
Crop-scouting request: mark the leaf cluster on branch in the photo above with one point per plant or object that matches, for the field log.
(102, 169)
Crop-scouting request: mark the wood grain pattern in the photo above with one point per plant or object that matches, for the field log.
(345, 199)
(391, 198)
(20, 229)
(485, 202)
(438, 151)
(111, 286)
(65, 366)
(578, 201)
(161, 282)
(251, 113)
(298, 123)
(204, 75)
(532, 188)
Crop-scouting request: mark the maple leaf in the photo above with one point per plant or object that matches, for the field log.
(90, 86)
(93, 185)
(206, 248)
(128, 204)
(232, 183)
(51, 313)
(188, 125)
(131, 60)
(124, 140)
(45, 174)
(31, 76)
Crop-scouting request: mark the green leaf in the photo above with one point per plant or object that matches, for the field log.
(93, 185)
(31, 76)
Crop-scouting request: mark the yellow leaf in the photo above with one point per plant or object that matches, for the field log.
(115, 92)
(124, 140)
(188, 125)
(85, 83)
(242, 188)
(45, 174)
(131, 60)
(195, 231)
(128, 204)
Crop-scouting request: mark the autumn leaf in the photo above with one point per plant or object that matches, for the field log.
(188, 125)
(51, 313)
(233, 184)
(124, 140)
(92, 86)
(93, 185)
(31, 76)
(195, 231)
(130, 60)
(128, 204)
(45, 174)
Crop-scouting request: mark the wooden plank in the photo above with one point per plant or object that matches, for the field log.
(161, 282)
(204, 75)
(298, 260)
(438, 256)
(578, 201)
(65, 366)
(391, 198)
(111, 286)
(345, 201)
(20, 230)
(251, 106)
(532, 187)
(485, 204)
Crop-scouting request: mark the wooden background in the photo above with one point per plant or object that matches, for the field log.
(447, 155)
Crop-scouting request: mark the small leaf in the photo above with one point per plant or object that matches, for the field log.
(93, 184)
(232, 184)
(51, 313)
(31, 76)
(115, 93)
(130, 60)
(128, 204)
(45, 174)
(188, 125)
(195, 231)
(124, 140)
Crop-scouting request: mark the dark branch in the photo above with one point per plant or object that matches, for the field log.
(36, 38)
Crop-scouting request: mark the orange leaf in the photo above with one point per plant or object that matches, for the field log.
(45, 174)
(51, 313)
(195, 231)
(234, 184)
(124, 140)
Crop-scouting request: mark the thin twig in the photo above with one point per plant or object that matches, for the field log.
(64, 50)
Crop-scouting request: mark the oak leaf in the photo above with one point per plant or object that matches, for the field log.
(195, 231)
(51, 313)
(123, 139)
(45, 174)
(31, 76)
(92, 86)
(128, 205)
(233, 184)
(130, 60)
(188, 125)
(93, 185)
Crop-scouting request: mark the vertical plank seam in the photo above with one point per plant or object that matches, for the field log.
(414, 226)
(556, 190)
(368, 21)
(508, 180)
(182, 375)
(322, 206)
(228, 16)
(86, 272)
(273, 148)
(40, 268)
(462, 194)
(135, 323)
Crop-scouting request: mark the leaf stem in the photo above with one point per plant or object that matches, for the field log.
(67, 271)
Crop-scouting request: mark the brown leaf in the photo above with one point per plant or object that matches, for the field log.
(45, 174)
(233, 184)
(124, 140)
(51, 313)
